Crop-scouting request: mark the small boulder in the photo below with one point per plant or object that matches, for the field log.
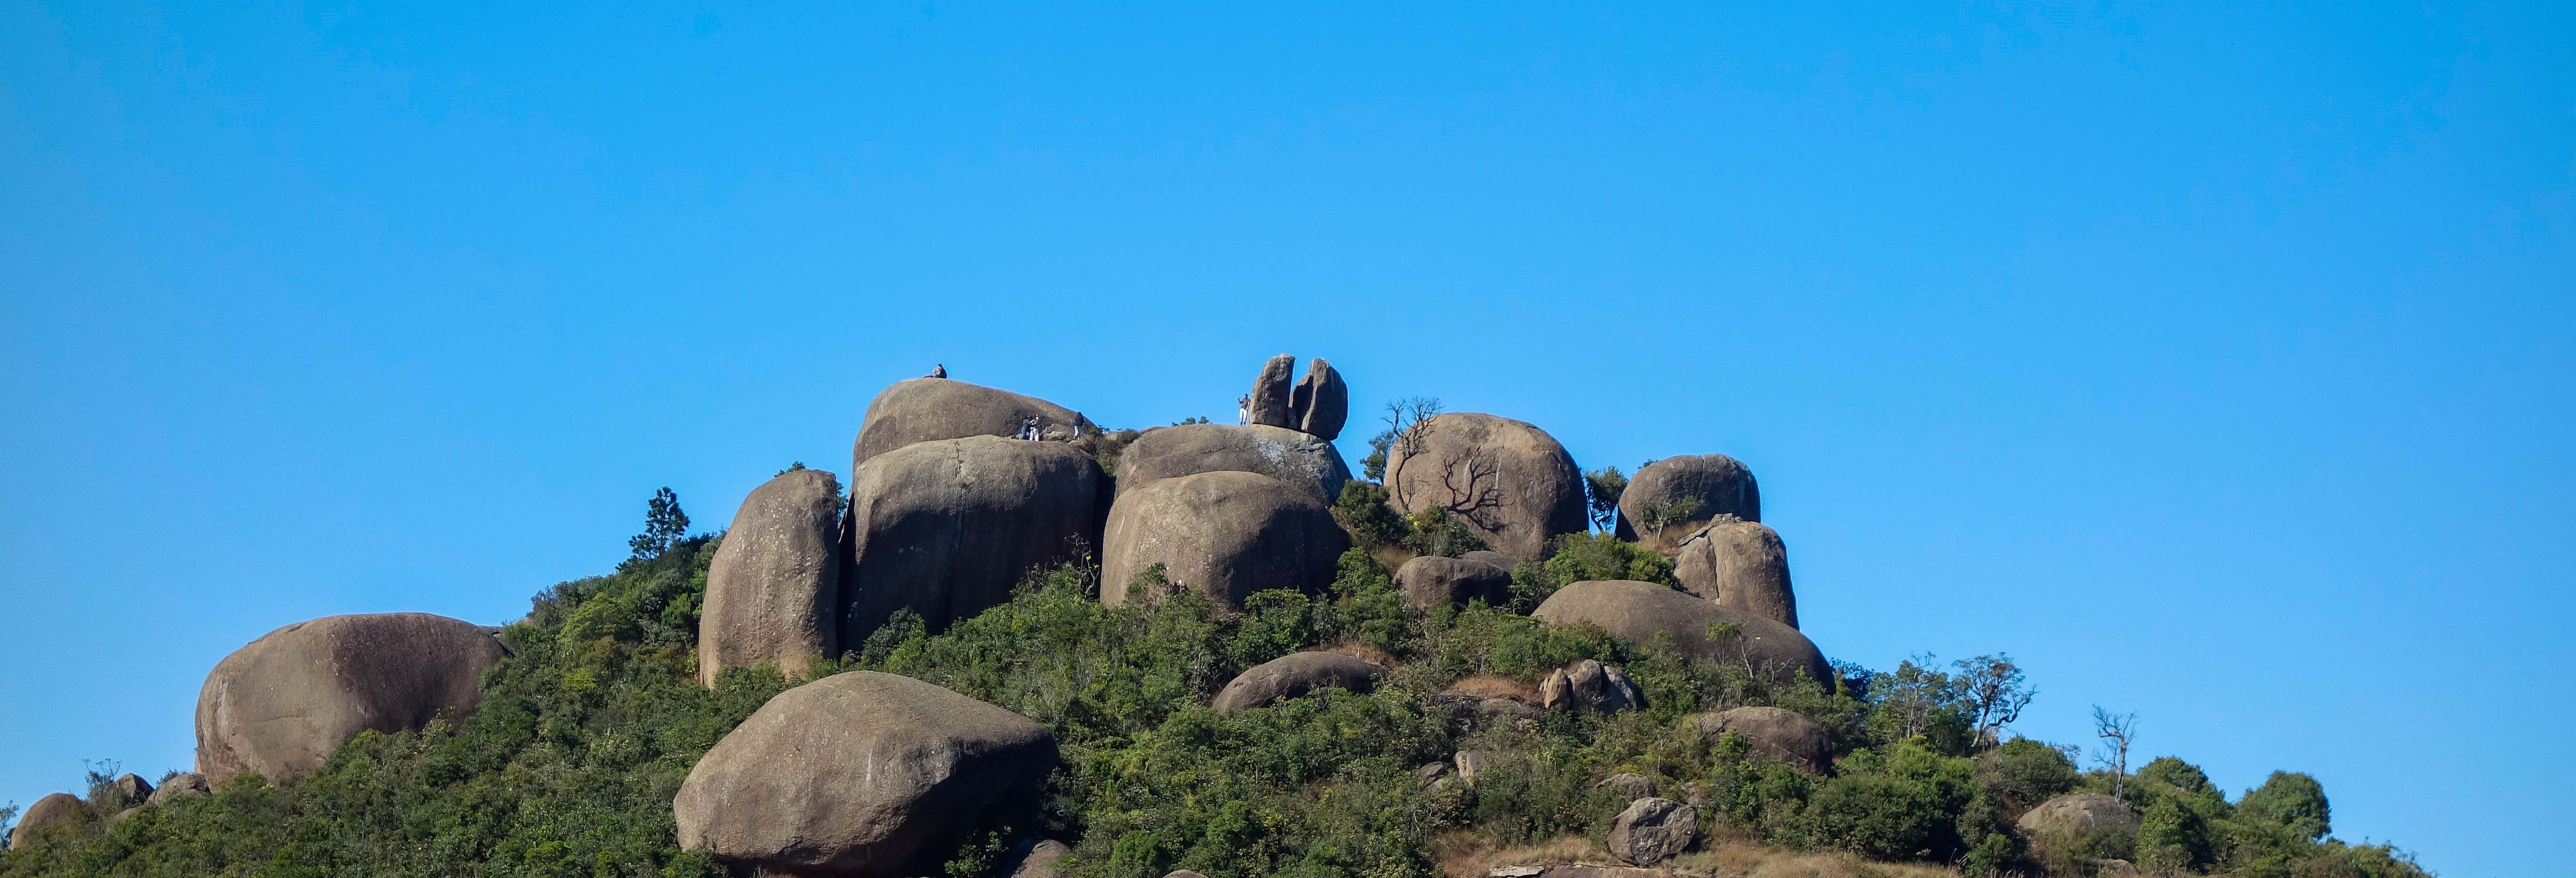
(280, 705)
(857, 774)
(1785, 735)
(1182, 873)
(1492, 557)
(1589, 685)
(185, 783)
(1633, 786)
(1036, 858)
(1739, 564)
(1431, 773)
(946, 528)
(1299, 460)
(1273, 400)
(1431, 580)
(1293, 675)
(132, 789)
(1321, 401)
(1226, 534)
(1471, 764)
(2075, 815)
(925, 409)
(774, 589)
(1510, 482)
(56, 811)
(1652, 830)
(1701, 629)
(1706, 485)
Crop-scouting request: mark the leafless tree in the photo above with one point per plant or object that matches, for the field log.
(1474, 487)
(1408, 429)
(2119, 731)
(1995, 694)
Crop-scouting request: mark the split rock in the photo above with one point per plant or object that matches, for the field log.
(1322, 402)
(1273, 400)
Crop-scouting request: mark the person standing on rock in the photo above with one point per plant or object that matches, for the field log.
(1243, 410)
(1029, 428)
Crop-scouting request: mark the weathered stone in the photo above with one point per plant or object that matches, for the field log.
(1739, 564)
(2075, 814)
(774, 590)
(1036, 858)
(185, 783)
(1633, 786)
(62, 812)
(1292, 675)
(1226, 534)
(1509, 481)
(1652, 830)
(280, 705)
(857, 774)
(1321, 401)
(1470, 765)
(946, 528)
(1586, 870)
(1296, 459)
(1431, 580)
(1589, 685)
(1431, 773)
(132, 789)
(925, 409)
(1182, 873)
(1492, 557)
(1718, 484)
(1273, 400)
(1785, 735)
(1638, 610)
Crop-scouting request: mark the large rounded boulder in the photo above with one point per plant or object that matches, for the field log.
(1300, 460)
(1292, 675)
(282, 704)
(857, 774)
(1700, 629)
(1431, 580)
(774, 591)
(1739, 564)
(56, 812)
(1785, 735)
(945, 528)
(1322, 402)
(925, 409)
(2073, 819)
(1225, 534)
(1668, 499)
(1509, 481)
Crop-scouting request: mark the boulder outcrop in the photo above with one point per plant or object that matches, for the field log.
(1299, 460)
(1322, 403)
(1739, 564)
(1492, 557)
(56, 811)
(1274, 401)
(945, 528)
(1431, 580)
(1785, 735)
(774, 590)
(280, 705)
(1638, 610)
(2075, 814)
(1652, 830)
(1589, 685)
(1036, 858)
(1226, 534)
(1511, 482)
(1292, 675)
(131, 789)
(1629, 784)
(858, 774)
(925, 409)
(185, 783)
(1709, 485)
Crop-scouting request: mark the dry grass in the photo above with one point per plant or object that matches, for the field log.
(1465, 854)
(1498, 687)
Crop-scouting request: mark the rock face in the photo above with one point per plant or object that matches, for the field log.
(1431, 580)
(282, 704)
(1511, 482)
(947, 527)
(857, 774)
(1785, 735)
(1492, 557)
(1721, 485)
(1322, 403)
(2075, 814)
(54, 811)
(1589, 685)
(1739, 564)
(1227, 534)
(1296, 459)
(1293, 675)
(1273, 400)
(185, 783)
(132, 788)
(924, 409)
(1637, 610)
(774, 591)
(1036, 858)
(1652, 830)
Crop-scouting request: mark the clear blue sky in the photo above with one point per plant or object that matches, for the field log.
(2217, 362)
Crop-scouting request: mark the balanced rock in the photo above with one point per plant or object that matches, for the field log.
(1652, 830)
(1036, 858)
(774, 590)
(2075, 815)
(1638, 610)
(858, 774)
(185, 783)
(56, 811)
(1321, 402)
(1226, 534)
(946, 528)
(1431, 580)
(924, 409)
(1589, 685)
(282, 704)
(1273, 400)
(1785, 735)
(1509, 481)
(1739, 564)
(1706, 485)
(1302, 461)
(1293, 675)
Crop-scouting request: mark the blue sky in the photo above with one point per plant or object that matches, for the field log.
(2216, 361)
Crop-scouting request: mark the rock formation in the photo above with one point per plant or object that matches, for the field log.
(1631, 785)
(1637, 610)
(132, 789)
(1492, 557)
(1589, 685)
(947, 527)
(1035, 858)
(1652, 830)
(925, 409)
(774, 590)
(2074, 814)
(185, 783)
(282, 704)
(1509, 481)
(1273, 400)
(1785, 735)
(1226, 534)
(1304, 462)
(56, 811)
(1321, 402)
(1739, 564)
(1431, 580)
(858, 774)
(1709, 485)
(1292, 675)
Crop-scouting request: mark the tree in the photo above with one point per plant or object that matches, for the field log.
(664, 524)
(2119, 731)
(1993, 687)
(8, 821)
(1406, 434)
(1601, 490)
(2292, 799)
(1656, 515)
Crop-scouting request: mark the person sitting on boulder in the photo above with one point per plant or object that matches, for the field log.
(937, 370)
